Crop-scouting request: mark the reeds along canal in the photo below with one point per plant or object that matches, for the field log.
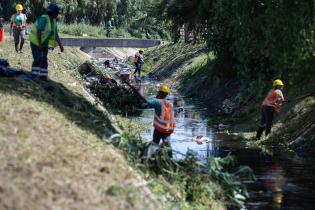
(282, 181)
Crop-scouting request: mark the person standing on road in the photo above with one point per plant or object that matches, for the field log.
(271, 106)
(18, 26)
(138, 60)
(44, 35)
(164, 118)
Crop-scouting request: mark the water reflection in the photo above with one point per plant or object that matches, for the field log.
(282, 182)
(189, 123)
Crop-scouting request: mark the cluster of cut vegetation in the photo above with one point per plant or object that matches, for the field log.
(186, 184)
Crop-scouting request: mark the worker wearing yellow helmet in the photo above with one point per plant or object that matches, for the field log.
(271, 106)
(18, 27)
(138, 61)
(164, 118)
(44, 35)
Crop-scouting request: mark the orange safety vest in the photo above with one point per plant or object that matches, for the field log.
(165, 123)
(274, 99)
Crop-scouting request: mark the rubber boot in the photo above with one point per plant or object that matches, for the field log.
(259, 132)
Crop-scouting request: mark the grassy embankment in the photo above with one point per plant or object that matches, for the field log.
(84, 30)
(81, 29)
(195, 73)
(53, 153)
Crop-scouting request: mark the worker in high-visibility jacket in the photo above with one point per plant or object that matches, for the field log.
(164, 118)
(18, 26)
(44, 35)
(270, 107)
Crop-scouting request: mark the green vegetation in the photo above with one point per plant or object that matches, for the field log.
(253, 39)
(164, 60)
(44, 122)
(82, 29)
(230, 100)
(187, 184)
(190, 182)
(135, 17)
(52, 149)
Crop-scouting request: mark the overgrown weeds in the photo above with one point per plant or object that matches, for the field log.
(82, 29)
(189, 182)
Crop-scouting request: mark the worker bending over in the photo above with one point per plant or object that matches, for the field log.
(270, 107)
(44, 34)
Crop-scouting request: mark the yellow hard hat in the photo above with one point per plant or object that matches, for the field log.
(141, 50)
(278, 82)
(19, 7)
(164, 89)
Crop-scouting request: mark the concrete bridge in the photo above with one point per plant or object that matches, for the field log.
(125, 43)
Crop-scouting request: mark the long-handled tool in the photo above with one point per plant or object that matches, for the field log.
(301, 97)
(135, 91)
(180, 109)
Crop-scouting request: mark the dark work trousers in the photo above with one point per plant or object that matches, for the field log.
(157, 136)
(138, 68)
(19, 38)
(267, 114)
(40, 63)
(108, 32)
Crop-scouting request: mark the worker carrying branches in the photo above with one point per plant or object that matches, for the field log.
(44, 35)
(271, 106)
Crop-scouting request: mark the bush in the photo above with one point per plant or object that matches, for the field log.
(81, 29)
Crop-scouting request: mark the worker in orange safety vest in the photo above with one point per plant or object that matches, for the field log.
(270, 107)
(164, 118)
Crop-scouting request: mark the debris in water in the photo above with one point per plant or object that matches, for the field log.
(200, 139)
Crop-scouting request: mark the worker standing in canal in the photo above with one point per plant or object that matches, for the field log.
(138, 61)
(164, 118)
(44, 35)
(271, 106)
(18, 26)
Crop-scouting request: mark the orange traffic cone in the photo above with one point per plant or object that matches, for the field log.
(2, 37)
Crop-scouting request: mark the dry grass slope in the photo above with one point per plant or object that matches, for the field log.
(51, 151)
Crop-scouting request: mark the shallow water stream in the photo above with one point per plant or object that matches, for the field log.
(282, 182)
